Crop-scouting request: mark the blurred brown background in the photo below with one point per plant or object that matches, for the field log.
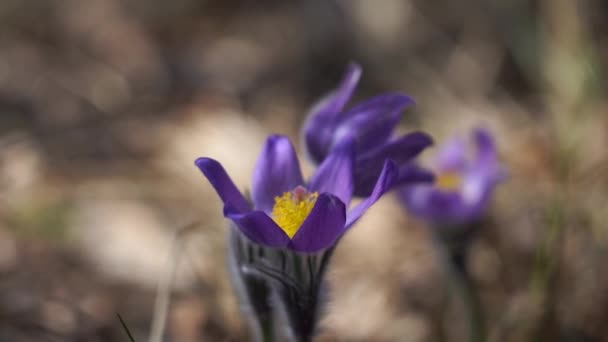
(105, 104)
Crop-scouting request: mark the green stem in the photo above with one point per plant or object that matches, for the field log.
(472, 303)
(267, 330)
(455, 249)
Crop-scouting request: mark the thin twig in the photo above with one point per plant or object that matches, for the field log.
(124, 326)
(163, 292)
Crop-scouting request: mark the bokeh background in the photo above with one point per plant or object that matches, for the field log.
(104, 105)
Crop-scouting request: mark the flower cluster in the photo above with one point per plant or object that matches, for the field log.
(284, 234)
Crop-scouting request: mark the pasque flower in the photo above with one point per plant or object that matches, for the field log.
(286, 211)
(464, 182)
(466, 175)
(285, 236)
(372, 124)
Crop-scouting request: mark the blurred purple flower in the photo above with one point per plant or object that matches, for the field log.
(372, 123)
(288, 213)
(463, 185)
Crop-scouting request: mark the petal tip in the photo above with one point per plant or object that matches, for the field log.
(392, 170)
(204, 163)
(354, 70)
(483, 136)
(424, 138)
(277, 139)
(402, 100)
(276, 136)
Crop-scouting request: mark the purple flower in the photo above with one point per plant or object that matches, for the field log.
(288, 213)
(372, 123)
(463, 185)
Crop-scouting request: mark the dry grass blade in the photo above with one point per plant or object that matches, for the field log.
(163, 293)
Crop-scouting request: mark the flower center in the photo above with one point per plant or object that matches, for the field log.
(448, 181)
(292, 208)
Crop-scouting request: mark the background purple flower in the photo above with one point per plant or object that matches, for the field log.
(464, 182)
(372, 124)
(288, 213)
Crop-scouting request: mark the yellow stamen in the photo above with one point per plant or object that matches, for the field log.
(291, 209)
(448, 181)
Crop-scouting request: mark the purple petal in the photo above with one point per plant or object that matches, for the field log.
(411, 174)
(373, 121)
(474, 187)
(335, 174)
(320, 126)
(435, 205)
(441, 207)
(385, 182)
(258, 227)
(318, 136)
(222, 184)
(277, 171)
(452, 156)
(487, 163)
(401, 150)
(338, 98)
(323, 226)
(486, 147)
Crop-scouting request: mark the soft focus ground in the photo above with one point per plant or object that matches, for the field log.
(104, 105)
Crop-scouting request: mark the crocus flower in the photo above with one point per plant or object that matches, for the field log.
(372, 124)
(287, 212)
(464, 183)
